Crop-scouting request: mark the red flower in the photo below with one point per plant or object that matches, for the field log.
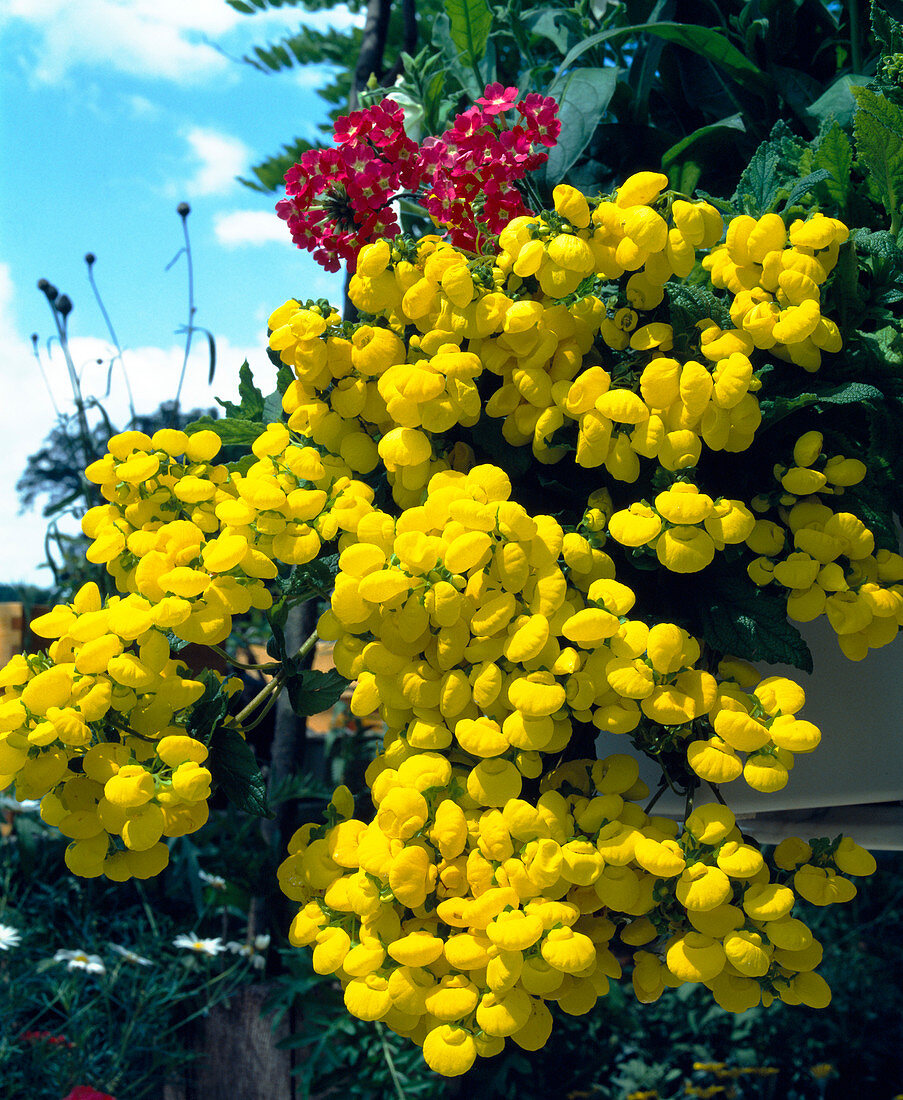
(497, 99)
(86, 1092)
(337, 200)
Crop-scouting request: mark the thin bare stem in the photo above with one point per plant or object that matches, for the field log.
(39, 361)
(90, 260)
(387, 1054)
(183, 211)
(270, 666)
(60, 308)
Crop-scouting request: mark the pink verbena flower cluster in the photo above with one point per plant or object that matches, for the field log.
(337, 200)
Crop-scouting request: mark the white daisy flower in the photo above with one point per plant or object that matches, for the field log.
(9, 937)
(253, 950)
(130, 956)
(216, 882)
(194, 943)
(81, 960)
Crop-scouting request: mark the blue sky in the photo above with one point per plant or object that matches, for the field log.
(112, 112)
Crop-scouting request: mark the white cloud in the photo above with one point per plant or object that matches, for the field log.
(28, 414)
(141, 107)
(219, 158)
(163, 39)
(250, 227)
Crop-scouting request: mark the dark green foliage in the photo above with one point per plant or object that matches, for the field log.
(236, 772)
(313, 692)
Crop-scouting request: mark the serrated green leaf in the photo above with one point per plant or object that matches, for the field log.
(233, 433)
(758, 186)
(583, 96)
(738, 619)
(251, 407)
(690, 303)
(209, 711)
(774, 164)
(312, 691)
(470, 24)
(835, 155)
(887, 30)
(878, 129)
(234, 769)
(701, 40)
(804, 186)
(850, 393)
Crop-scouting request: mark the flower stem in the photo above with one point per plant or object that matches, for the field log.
(277, 683)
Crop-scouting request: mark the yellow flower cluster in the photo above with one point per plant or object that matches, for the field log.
(827, 559)
(757, 717)
(494, 643)
(201, 540)
(461, 909)
(469, 623)
(389, 387)
(95, 729)
(775, 275)
(683, 526)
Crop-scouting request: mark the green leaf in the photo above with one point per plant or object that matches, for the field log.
(583, 96)
(689, 303)
(305, 582)
(234, 769)
(209, 711)
(804, 186)
(850, 393)
(878, 128)
(233, 433)
(772, 172)
(251, 407)
(705, 135)
(701, 40)
(738, 619)
(471, 22)
(835, 154)
(551, 23)
(758, 186)
(272, 407)
(886, 29)
(312, 691)
(837, 102)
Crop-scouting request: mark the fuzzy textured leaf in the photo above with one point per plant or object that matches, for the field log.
(689, 304)
(233, 432)
(235, 771)
(887, 30)
(774, 164)
(850, 393)
(878, 128)
(835, 155)
(751, 624)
